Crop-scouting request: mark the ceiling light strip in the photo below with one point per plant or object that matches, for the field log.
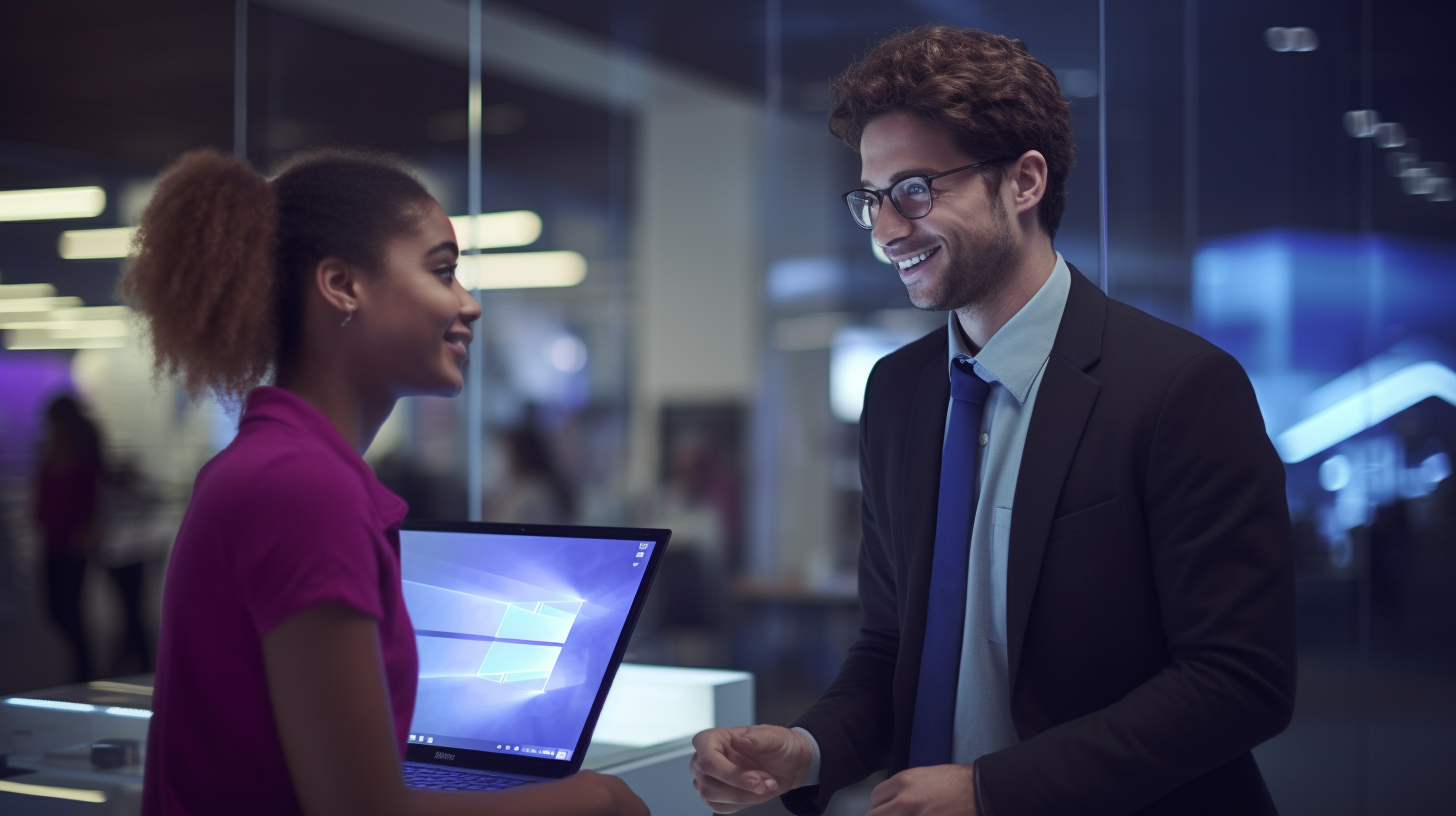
(114, 242)
(27, 291)
(52, 204)
(523, 270)
(496, 230)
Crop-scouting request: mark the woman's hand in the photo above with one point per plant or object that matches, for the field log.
(612, 794)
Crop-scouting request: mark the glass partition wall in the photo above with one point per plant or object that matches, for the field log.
(1278, 182)
(547, 391)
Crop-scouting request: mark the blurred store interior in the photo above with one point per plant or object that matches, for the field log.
(679, 318)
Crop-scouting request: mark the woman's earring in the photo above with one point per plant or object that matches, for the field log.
(347, 318)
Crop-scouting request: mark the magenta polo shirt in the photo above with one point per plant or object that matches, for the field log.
(286, 518)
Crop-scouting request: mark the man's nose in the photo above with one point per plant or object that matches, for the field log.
(890, 226)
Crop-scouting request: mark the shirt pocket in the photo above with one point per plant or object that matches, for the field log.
(1000, 548)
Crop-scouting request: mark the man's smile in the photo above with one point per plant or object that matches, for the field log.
(915, 260)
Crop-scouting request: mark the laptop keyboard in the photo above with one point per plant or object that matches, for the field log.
(445, 779)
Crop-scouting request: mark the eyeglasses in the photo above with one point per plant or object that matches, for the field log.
(911, 196)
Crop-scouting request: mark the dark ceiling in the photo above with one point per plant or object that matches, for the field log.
(92, 90)
(135, 82)
(727, 39)
(143, 80)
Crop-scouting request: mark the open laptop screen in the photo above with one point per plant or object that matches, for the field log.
(517, 632)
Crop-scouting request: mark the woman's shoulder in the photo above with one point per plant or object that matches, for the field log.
(282, 470)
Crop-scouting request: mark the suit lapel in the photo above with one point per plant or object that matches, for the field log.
(1063, 404)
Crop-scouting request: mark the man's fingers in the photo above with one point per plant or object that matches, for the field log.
(741, 742)
(721, 770)
(715, 759)
(885, 791)
(711, 756)
(717, 790)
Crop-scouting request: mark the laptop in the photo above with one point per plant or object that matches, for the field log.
(520, 630)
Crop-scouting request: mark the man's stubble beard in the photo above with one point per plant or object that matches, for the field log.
(980, 271)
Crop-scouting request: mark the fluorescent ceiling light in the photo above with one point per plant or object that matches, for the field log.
(56, 203)
(10, 307)
(94, 327)
(1365, 409)
(79, 329)
(97, 243)
(522, 270)
(53, 792)
(92, 313)
(44, 341)
(11, 291)
(495, 230)
(35, 313)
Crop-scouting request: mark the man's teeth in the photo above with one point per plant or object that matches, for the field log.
(909, 262)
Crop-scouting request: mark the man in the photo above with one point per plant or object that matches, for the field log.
(1075, 573)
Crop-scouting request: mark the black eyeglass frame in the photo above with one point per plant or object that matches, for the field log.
(881, 195)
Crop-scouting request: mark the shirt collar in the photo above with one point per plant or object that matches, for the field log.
(1016, 354)
(281, 405)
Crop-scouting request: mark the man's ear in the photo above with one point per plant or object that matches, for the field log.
(1029, 180)
(337, 281)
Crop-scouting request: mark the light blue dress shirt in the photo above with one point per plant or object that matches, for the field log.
(1013, 362)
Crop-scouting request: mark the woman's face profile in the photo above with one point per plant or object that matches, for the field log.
(419, 316)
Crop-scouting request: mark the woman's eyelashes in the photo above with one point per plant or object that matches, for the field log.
(447, 273)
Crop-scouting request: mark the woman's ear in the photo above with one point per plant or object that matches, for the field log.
(337, 282)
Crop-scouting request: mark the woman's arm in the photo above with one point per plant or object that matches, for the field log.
(326, 680)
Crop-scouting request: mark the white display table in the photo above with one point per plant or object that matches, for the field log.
(644, 736)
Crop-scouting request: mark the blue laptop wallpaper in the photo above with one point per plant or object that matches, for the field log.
(515, 634)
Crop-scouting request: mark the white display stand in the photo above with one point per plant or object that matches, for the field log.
(644, 736)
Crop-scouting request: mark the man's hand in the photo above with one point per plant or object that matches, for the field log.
(737, 767)
(939, 790)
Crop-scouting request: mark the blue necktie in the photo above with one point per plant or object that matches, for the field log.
(940, 659)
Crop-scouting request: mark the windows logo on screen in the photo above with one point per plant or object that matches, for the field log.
(528, 642)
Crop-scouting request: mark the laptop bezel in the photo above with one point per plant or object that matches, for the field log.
(534, 766)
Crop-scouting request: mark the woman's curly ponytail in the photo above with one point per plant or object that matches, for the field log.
(204, 277)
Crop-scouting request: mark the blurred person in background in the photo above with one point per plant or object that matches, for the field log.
(68, 483)
(691, 504)
(534, 490)
(1076, 570)
(286, 667)
(686, 607)
(696, 499)
(140, 528)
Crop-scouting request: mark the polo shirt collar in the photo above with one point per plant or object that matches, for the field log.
(269, 402)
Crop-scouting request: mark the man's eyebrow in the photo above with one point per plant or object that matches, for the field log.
(901, 176)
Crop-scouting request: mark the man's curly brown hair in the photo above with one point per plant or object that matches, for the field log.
(223, 255)
(985, 90)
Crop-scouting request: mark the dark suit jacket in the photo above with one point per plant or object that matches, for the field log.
(1150, 586)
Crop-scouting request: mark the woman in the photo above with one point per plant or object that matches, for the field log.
(286, 668)
(68, 488)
